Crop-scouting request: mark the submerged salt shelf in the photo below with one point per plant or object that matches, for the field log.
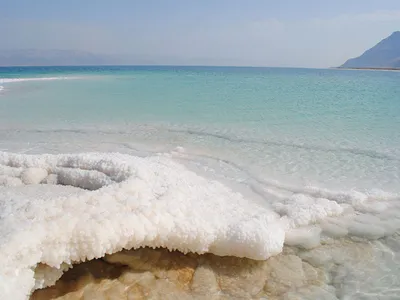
(332, 271)
(61, 209)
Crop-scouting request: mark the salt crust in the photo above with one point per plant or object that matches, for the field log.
(121, 201)
(140, 202)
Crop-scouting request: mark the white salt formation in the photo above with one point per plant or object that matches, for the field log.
(139, 202)
(33, 175)
(56, 210)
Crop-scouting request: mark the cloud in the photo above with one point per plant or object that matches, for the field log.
(315, 42)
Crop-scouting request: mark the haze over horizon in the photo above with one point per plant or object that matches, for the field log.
(257, 33)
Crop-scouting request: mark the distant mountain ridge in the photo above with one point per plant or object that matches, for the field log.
(385, 54)
(39, 57)
(34, 57)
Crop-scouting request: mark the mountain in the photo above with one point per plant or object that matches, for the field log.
(33, 57)
(386, 54)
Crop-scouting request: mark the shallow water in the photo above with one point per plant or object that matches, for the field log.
(316, 151)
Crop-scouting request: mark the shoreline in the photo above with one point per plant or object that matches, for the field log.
(155, 273)
(368, 69)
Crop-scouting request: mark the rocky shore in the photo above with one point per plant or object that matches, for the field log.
(160, 274)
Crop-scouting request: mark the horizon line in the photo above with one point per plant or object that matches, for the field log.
(165, 65)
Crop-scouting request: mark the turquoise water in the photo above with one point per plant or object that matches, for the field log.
(331, 100)
(318, 149)
(325, 127)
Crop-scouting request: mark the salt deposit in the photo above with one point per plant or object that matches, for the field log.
(139, 202)
(56, 210)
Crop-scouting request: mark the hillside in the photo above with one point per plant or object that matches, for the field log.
(386, 54)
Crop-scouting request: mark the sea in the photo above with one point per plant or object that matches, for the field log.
(239, 161)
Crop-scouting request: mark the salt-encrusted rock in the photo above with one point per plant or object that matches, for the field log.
(161, 274)
(128, 202)
(286, 273)
(115, 201)
(85, 179)
(174, 266)
(33, 175)
(10, 171)
(51, 179)
(204, 281)
(9, 181)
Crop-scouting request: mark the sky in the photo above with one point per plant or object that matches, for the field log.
(296, 33)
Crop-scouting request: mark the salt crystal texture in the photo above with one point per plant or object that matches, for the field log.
(129, 202)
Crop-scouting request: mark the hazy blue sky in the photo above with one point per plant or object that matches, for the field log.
(311, 33)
